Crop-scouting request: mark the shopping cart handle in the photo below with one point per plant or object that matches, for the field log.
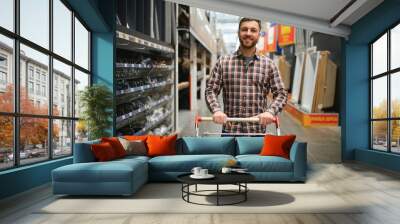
(199, 119)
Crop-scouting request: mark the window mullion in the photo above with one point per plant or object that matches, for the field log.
(16, 85)
(50, 81)
(73, 81)
(370, 97)
(389, 104)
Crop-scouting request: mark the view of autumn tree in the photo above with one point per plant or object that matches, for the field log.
(33, 130)
(380, 128)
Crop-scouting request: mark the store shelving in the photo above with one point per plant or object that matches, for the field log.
(168, 130)
(132, 40)
(153, 125)
(145, 82)
(131, 116)
(143, 88)
(134, 95)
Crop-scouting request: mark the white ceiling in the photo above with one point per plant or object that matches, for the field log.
(315, 15)
(321, 9)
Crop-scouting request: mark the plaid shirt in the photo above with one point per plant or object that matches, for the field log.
(245, 90)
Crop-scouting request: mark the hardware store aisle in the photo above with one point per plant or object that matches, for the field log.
(324, 145)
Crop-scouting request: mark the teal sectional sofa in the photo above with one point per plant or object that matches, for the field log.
(125, 176)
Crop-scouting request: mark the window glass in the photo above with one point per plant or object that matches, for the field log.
(395, 136)
(395, 95)
(33, 140)
(81, 45)
(62, 138)
(34, 21)
(7, 14)
(81, 131)
(379, 98)
(395, 47)
(379, 135)
(6, 142)
(6, 74)
(81, 81)
(62, 29)
(62, 91)
(379, 56)
(39, 61)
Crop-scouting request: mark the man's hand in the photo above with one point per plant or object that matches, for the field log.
(219, 117)
(266, 118)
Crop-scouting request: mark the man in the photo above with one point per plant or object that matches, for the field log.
(246, 79)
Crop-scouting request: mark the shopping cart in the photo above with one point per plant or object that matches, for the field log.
(199, 119)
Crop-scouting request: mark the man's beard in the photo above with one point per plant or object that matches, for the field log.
(253, 43)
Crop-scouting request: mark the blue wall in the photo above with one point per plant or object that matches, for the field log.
(99, 15)
(24, 178)
(355, 111)
(103, 51)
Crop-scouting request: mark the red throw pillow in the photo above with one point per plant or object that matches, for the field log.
(103, 151)
(136, 137)
(161, 145)
(277, 145)
(116, 145)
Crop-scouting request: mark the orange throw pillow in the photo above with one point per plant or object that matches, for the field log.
(116, 145)
(103, 151)
(277, 145)
(135, 137)
(161, 145)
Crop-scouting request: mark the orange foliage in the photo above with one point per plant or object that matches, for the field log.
(33, 130)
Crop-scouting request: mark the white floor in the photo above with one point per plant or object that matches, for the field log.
(377, 190)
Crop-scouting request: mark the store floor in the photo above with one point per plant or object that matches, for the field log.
(324, 144)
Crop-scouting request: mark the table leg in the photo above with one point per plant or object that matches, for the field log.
(188, 190)
(196, 188)
(245, 192)
(217, 194)
(182, 190)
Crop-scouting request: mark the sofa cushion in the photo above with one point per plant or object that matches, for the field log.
(257, 163)
(207, 145)
(135, 137)
(103, 152)
(112, 171)
(135, 147)
(161, 145)
(116, 145)
(277, 145)
(185, 163)
(249, 145)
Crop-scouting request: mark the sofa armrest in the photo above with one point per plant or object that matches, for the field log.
(298, 155)
(83, 152)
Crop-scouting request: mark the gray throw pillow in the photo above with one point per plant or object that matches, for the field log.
(137, 147)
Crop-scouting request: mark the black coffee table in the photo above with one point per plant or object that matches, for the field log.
(238, 179)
